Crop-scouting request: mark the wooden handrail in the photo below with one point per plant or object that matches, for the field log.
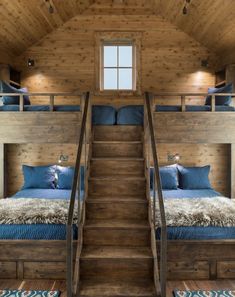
(75, 186)
(51, 97)
(163, 244)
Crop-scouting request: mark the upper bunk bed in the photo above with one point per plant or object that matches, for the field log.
(50, 123)
(184, 123)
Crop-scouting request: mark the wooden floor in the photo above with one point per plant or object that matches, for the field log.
(171, 285)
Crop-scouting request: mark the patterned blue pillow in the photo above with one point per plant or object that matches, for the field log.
(220, 100)
(169, 177)
(38, 177)
(9, 100)
(192, 178)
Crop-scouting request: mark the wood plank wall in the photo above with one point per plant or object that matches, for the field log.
(198, 155)
(216, 155)
(65, 59)
(33, 154)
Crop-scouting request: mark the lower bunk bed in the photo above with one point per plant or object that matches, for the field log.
(32, 244)
(200, 233)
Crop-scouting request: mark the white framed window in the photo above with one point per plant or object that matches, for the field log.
(118, 71)
(118, 62)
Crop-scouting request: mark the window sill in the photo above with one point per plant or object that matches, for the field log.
(117, 93)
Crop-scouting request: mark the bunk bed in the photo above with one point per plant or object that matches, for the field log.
(45, 257)
(210, 255)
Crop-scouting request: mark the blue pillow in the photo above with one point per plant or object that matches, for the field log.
(194, 177)
(65, 177)
(169, 177)
(103, 115)
(220, 100)
(130, 115)
(40, 177)
(9, 100)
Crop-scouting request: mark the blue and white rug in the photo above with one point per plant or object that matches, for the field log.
(31, 293)
(202, 293)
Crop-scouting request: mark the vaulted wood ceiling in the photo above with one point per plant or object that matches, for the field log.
(25, 22)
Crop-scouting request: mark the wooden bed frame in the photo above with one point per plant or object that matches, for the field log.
(33, 259)
(200, 259)
(192, 259)
(197, 259)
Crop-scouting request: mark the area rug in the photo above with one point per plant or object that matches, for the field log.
(31, 293)
(202, 293)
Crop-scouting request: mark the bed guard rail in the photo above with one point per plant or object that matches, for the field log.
(74, 247)
(160, 269)
(51, 97)
(195, 96)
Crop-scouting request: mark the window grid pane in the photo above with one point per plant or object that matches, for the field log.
(118, 76)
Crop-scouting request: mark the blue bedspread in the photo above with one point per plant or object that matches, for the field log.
(40, 108)
(194, 108)
(43, 193)
(179, 193)
(36, 232)
(198, 233)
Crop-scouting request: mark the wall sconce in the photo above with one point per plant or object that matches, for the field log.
(30, 62)
(173, 158)
(205, 63)
(63, 158)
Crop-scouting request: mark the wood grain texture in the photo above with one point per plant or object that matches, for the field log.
(195, 259)
(34, 155)
(211, 22)
(65, 59)
(40, 127)
(215, 155)
(195, 127)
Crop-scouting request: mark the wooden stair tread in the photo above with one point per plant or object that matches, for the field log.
(117, 177)
(117, 224)
(117, 199)
(117, 141)
(116, 159)
(113, 289)
(115, 252)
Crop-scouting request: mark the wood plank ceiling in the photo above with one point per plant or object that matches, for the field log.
(211, 22)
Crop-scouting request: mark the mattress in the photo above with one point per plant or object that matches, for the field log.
(43, 193)
(35, 232)
(179, 193)
(198, 233)
(38, 231)
(40, 108)
(193, 108)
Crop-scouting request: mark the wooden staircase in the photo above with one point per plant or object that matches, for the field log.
(116, 258)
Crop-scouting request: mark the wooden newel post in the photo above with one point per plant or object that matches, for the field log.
(52, 99)
(213, 103)
(183, 107)
(21, 103)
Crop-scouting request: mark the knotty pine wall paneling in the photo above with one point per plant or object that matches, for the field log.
(35, 155)
(215, 155)
(65, 59)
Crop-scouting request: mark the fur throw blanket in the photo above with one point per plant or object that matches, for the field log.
(216, 211)
(34, 211)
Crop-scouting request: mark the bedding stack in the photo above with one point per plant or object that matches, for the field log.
(194, 211)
